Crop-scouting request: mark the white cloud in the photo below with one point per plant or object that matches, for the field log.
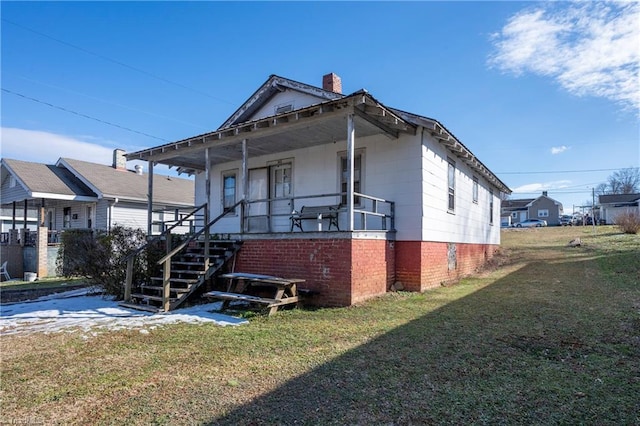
(559, 149)
(589, 48)
(46, 147)
(542, 186)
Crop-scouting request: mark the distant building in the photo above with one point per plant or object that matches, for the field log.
(542, 207)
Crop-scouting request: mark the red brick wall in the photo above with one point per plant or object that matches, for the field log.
(348, 271)
(422, 264)
(342, 271)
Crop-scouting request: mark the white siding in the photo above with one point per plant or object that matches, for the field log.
(130, 216)
(411, 170)
(298, 99)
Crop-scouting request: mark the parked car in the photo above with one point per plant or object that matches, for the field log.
(531, 223)
(566, 220)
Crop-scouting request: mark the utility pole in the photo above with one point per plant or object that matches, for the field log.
(593, 208)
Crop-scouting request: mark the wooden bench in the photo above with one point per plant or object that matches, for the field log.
(317, 213)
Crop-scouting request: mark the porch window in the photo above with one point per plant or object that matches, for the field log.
(229, 188)
(451, 180)
(475, 190)
(357, 176)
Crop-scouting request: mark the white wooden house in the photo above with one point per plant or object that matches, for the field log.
(399, 199)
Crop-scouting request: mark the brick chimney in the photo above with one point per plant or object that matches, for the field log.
(119, 160)
(332, 83)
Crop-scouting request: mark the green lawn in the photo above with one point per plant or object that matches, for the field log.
(549, 335)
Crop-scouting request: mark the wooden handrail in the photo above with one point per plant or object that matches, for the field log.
(197, 234)
(158, 237)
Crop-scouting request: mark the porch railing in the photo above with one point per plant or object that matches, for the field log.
(374, 213)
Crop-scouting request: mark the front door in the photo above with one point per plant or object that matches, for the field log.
(280, 192)
(257, 213)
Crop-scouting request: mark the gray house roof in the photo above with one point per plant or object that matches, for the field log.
(77, 180)
(109, 182)
(619, 198)
(47, 181)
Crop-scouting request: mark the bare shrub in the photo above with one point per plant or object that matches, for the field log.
(628, 222)
(100, 257)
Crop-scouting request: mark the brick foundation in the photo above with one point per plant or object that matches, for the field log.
(342, 271)
(421, 265)
(346, 271)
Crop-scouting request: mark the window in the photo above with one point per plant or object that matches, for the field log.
(475, 190)
(229, 185)
(89, 217)
(451, 179)
(357, 176)
(66, 220)
(491, 206)
(543, 213)
(514, 215)
(12, 181)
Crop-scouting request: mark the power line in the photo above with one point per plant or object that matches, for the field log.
(558, 171)
(115, 61)
(110, 103)
(84, 115)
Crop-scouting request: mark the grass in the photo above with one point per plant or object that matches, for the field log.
(549, 335)
(41, 283)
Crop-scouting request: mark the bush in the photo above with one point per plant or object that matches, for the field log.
(629, 222)
(100, 257)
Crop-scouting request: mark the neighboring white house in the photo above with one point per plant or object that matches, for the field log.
(76, 194)
(614, 204)
(415, 205)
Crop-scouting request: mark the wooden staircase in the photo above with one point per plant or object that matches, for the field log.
(189, 269)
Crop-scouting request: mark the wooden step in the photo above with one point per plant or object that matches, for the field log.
(148, 308)
(148, 297)
(172, 289)
(187, 271)
(176, 280)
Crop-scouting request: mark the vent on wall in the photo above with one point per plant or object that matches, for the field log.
(282, 108)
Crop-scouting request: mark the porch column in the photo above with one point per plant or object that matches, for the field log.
(150, 200)
(207, 184)
(351, 135)
(244, 181)
(13, 219)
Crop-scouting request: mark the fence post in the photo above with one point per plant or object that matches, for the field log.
(128, 280)
(166, 285)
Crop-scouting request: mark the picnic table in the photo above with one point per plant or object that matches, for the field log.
(240, 285)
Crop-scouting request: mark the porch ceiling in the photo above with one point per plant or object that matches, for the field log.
(316, 125)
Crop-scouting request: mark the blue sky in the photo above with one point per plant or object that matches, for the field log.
(547, 95)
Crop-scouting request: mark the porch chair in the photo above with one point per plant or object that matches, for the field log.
(3, 271)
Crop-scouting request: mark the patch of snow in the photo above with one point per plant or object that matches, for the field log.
(74, 310)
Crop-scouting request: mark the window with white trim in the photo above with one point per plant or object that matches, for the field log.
(451, 183)
(475, 190)
(229, 188)
(543, 213)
